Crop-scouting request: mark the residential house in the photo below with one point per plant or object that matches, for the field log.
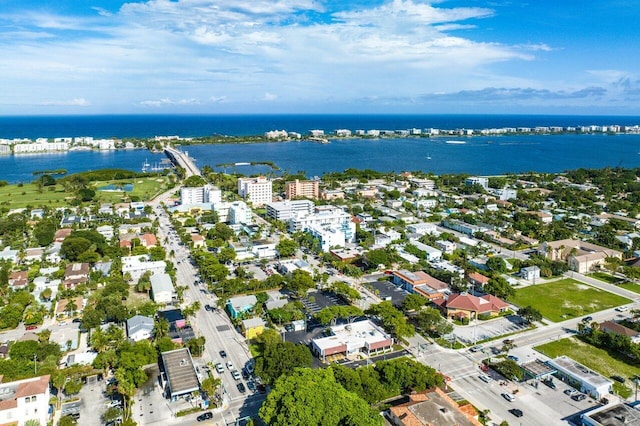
(581, 256)
(61, 234)
(161, 288)
(33, 254)
(198, 241)
(8, 254)
(25, 400)
(464, 305)
(477, 280)
(18, 280)
(615, 328)
(239, 305)
(106, 231)
(76, 274)
(252, 327)
(148, 240)
(530, 273)
(447, 247)
(139, 328)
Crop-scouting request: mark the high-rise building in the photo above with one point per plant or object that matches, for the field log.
(200, 194)
(257, 191)
(302, 189)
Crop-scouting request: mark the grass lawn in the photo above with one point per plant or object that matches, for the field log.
(610, 279)
(631, 287)
(14, 196)
(599, 360)
(566, 298)
(144, 188)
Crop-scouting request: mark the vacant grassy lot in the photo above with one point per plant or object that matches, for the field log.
(143, 188)
(15, 196)
(565, 299)
(631, 287)
(598, 360)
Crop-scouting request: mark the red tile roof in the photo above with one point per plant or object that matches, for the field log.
(468, 302)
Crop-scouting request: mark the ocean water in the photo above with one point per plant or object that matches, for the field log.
(477, 155)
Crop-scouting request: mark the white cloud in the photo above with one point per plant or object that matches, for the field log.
(167, 101)
(166, 54)
(81, 102)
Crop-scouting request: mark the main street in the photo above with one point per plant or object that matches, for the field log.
(215, 326)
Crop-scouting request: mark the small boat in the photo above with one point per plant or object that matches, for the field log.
(456, 142)
(145, 166)
(428, 157)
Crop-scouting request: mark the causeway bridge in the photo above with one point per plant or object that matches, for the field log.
(182, 159)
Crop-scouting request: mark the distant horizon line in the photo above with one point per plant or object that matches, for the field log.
(349, 114)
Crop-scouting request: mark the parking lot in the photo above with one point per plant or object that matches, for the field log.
(316, 301)
(388, 291)
(489, 329)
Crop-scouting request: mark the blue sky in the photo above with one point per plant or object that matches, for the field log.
(315, 56)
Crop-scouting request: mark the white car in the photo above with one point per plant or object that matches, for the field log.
(219, 368)
(622, 308)
(509, 397)
(485, 378)
(229, 365)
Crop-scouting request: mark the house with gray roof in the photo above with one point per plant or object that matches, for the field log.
(139, 328)
(161, 288)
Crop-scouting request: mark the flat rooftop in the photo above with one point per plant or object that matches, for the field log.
(180, 371)
(579, 371)
(616, 415)
(354, 335)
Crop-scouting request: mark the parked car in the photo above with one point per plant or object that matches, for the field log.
(587, 319)
(219, 368)
(251, 385)
(31, 327)
(475, 348)
(241, 388)
(229, 365)
(549, 382)
(513, 358)
(579, 397)
(571, 392)
(235, 375)
(223, 354)
(622, 308)
(245, 374)
(205, 416)
(618, 379)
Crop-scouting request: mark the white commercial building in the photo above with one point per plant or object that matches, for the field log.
(423, 228)
(349, 339)
(578, 375)
(136, 266)
(161, 288)
(200, 194)
(432, 254)
(257, 191)
(285, 210)
(328, 236)
(239, 213)
(25, 400)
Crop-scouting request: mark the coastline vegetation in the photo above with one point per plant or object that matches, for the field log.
(50, 172)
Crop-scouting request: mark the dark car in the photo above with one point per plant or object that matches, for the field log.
(261, 388)
(251, 385)
(241, 387)
(549, 382)
(204, 416)
(516, 412)
(579, 397)
(223, 354)
(618, 379)
(245, 374)
(587, 319)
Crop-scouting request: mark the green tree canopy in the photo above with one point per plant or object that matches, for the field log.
(287, 247)
(313, 397)
(499, 287)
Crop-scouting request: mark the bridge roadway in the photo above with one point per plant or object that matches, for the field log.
(181, 159)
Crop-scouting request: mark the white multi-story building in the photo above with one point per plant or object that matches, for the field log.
(328, 236)
(200, 194)
(136, 266)
(25, 400)
(257, 190)
(239, 213)
(321, 215)
(40, 146)
(478, 180)
(285, 210)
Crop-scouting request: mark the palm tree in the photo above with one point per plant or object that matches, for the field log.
(160, 329)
